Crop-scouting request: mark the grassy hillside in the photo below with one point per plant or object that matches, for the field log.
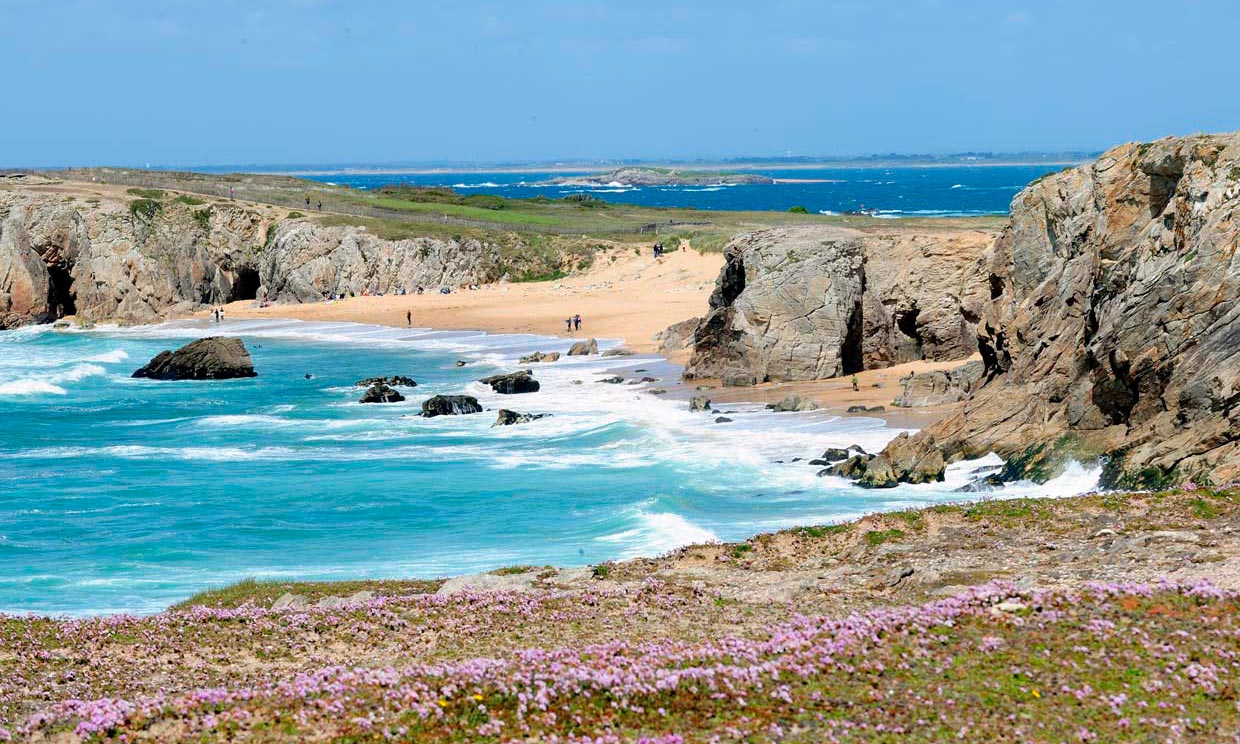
(406, 210)
(1076, 642)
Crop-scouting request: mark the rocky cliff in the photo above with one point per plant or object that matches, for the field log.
(304, 260)
(101, 254)
(814, 302)
(132, 261)
(1112, 324)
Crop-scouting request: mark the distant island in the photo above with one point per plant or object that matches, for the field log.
(662, 177)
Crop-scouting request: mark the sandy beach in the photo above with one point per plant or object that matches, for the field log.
(624, 296)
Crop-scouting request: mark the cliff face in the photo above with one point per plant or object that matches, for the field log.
(103, 257)
(813, 302)
(305, 260)
(105, 260)
(1113, 321)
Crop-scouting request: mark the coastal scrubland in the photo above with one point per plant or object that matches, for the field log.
(1083, 619)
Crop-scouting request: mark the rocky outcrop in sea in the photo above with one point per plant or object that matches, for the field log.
(211, 358)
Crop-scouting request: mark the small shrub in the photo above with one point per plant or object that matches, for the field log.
(145, 209)
(822, 530)
(741, 549)
(798, 210)
(189, 200)
(295, 215)
(878, 537)
(146, 193)
(203, 218)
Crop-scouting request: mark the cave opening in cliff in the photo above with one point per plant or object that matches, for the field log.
(906, 323)
(246, 285)
(60, 300)
(852, 360)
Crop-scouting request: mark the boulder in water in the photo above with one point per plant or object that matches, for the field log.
(539, 356)
(613, 380)
(395, 380)
(211, 358)
(699, 403)
(509, 418)
(512, 383)
(618, 351)
(381, 392)
(793, 403)
(584, 348)
(450, 405)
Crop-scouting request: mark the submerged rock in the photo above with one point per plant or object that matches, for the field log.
(512, 383)
(381, 392)
(584, 348)
(699, 403)
(509, 418)
(793, 403)
(619, 351)
(211, 358)
(450, 405)
(397, 380)
(613, 380)
(539, 356)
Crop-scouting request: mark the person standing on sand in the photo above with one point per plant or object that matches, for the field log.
(409, 318)
(568, 324)
(577, 322)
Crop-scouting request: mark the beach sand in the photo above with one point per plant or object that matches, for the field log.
(624, 296)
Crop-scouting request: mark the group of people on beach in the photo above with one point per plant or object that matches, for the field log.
(217, 314)
(658, 250)
(572, 323)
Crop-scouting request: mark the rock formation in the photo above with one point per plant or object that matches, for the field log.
(584, 348)
(381, 392)
(1113, 322)
(793, 403)
(512, 383)
(938, 387)
(134, 262)
(396, 380)
(139, 260)
(820, 301)
(211, 358)
(450, 405)
(539, 356)
(510, 418)
(677, 336)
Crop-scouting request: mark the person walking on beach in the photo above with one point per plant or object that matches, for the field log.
(577, 322)
(409, 318)
(568, 324)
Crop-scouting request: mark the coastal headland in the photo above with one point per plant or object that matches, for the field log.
(1096, 324)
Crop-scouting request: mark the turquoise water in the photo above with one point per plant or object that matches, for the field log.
(949, 190)
(128, 495)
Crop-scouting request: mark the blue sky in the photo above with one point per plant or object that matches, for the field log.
(312, 81)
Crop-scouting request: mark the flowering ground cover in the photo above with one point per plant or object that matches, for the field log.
(665, 656)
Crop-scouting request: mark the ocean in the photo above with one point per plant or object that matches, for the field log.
(126, 495)
(941, 191)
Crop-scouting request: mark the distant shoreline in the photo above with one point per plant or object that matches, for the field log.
(850, 165)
